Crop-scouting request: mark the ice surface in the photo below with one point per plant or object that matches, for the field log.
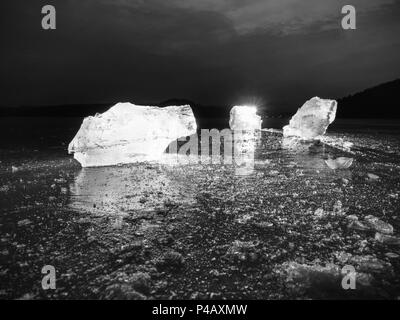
(130, 210)
(244, 118)
(129, 133)
(312, 119)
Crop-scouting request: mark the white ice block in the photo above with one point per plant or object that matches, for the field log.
(128, 133)
(312, 119)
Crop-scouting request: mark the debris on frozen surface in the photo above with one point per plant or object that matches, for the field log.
(358, 225)
(24, 222)
(337, 210)
(319, 212)
(171, 260)
(387, 239)
(244, 118)
(339, 163)
(379, 225)
(312, 119)
(372, 176)
(129, 133)
(369, 263)
(338, 143)
(122, 291)
(242, 251)
(371, 223)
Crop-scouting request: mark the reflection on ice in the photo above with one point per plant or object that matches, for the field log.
(339, 163)
(244, 147)
(125, 189)
(146, 186)
(225, 147)
(314, 154)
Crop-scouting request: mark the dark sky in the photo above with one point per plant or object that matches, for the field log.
(275, 53)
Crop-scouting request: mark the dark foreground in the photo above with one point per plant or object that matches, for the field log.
(201, 231)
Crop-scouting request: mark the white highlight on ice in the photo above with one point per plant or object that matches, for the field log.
(244, 118)
(128, 133)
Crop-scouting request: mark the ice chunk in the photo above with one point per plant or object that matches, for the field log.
(379, 225)
(312, 119)
(339, 163)
(372, 176)
(244, 118)
(387, 239)
(129, 133)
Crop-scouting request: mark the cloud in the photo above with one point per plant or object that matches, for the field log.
(213, 52)
(279, 16)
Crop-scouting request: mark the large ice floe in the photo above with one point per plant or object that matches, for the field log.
(312, 119)
(244, 118)
(128, 133)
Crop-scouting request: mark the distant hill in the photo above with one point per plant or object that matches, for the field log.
(214, 116)
(55, 111)
(377, 102)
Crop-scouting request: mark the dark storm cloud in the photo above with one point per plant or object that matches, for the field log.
(277, 52)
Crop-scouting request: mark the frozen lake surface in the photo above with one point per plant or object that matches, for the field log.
(201, 231)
